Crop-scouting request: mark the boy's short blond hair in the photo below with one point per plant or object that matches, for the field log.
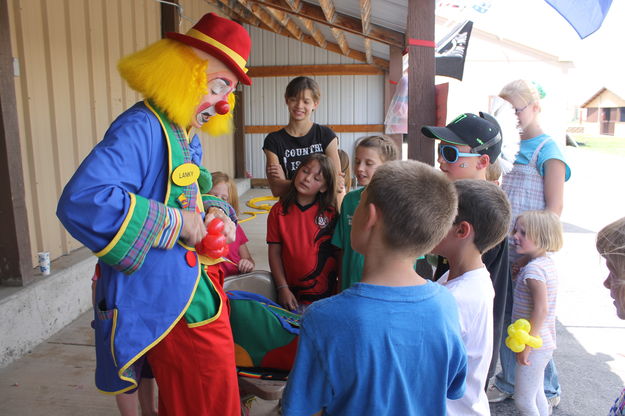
(544, 229)
(485, 206)
(417, 204)
(494, 171)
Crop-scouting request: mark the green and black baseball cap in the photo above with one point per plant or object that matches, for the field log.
(481, 133)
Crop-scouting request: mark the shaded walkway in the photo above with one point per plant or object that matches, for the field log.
(56, 379)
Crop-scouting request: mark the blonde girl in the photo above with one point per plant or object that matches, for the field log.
(611, 246)
(540, 170)
(299, 229)
(370, 153)
(241, 260)
(535, 234)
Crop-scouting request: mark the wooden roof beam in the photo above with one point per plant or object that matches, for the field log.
(295, 5)
(260, 14)
(340, 40)
(365, 17)
(327, 6)
(265, 17)
(318, 70)
(332, 47)
(233, 8)
(341, 21)
(286, 22)
(314, 32)
(368, 51)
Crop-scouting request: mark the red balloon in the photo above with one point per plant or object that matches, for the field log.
(215, 254)
(216, 226)
(213, 242)
(222, 107)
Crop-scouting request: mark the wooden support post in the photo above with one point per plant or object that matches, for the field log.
(421, 92)
(239, 136)
(390, 85)
(16, 267)
(170, 18)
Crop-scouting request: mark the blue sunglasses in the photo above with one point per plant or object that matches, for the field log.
(451, 153)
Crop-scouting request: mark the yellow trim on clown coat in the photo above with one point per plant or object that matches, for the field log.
(157, 340)
(121, 230)
(238, 59)
(169, 161)
(113, 327)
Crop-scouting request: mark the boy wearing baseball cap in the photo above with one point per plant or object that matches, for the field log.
(468, 145)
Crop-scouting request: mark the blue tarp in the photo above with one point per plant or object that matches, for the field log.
(586, 16)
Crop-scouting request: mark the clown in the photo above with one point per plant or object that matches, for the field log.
(136, 202)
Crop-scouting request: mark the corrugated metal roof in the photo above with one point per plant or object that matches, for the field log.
(391, 14)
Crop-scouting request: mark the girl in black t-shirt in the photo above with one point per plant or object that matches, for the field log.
(286, 148)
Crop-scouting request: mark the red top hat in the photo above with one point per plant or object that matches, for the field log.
(224, 39)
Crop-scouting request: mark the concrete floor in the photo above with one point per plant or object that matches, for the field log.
(56, 378)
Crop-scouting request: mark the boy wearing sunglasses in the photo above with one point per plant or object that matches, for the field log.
(468, 145)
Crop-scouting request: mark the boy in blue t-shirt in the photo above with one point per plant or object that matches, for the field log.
(391, 343)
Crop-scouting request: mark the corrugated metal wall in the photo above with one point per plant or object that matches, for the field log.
(344, 99)
(68, 91)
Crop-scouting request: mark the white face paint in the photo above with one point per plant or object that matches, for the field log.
(216, 101)
(221, 82)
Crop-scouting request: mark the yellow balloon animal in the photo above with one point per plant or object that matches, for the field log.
(519, 337)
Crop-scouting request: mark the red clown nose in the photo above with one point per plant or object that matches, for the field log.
(222, 107)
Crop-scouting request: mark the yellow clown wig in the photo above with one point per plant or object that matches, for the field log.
(173, 77)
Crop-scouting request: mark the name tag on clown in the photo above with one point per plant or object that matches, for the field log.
(185, 174)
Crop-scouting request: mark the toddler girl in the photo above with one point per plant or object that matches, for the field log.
(611, 245)
(536, 182)
(534, 234)
(369, 154)
(239, 258)
(299, 228)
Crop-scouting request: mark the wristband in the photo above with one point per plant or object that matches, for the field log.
(281, 287)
